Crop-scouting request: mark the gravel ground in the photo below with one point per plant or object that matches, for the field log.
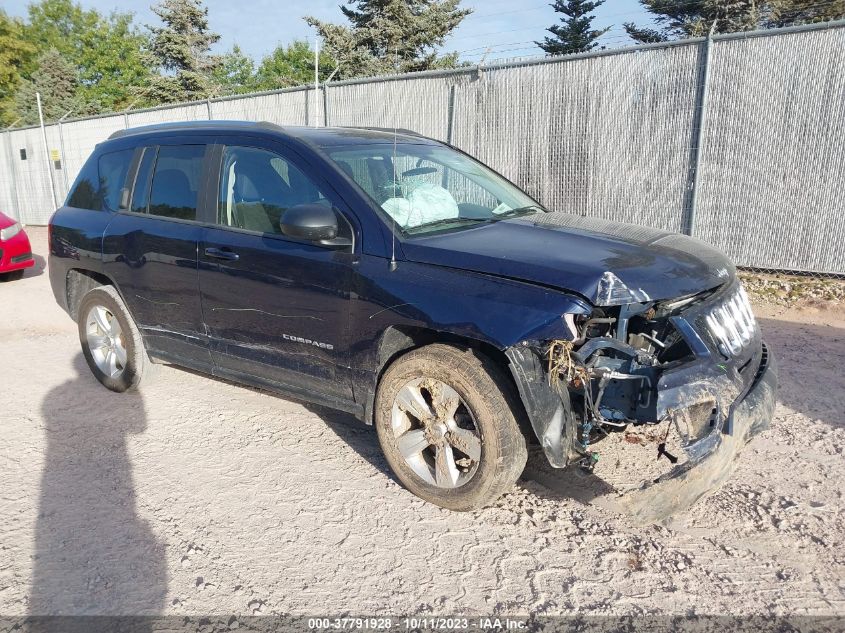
(197, 496)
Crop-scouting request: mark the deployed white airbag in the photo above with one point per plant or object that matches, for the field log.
(424, 202)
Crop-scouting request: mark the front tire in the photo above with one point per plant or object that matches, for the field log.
(445, 421)
(111, 343)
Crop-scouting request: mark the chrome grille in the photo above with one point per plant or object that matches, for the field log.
(732, 324)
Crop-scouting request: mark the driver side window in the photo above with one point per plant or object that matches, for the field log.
(257, 186)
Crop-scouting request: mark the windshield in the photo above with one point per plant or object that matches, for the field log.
(431, 187)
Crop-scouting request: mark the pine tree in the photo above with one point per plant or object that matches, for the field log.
(56, 80)
(181, 48)
(678, 19)
(787, 12)
(575, 33)
(387, 36)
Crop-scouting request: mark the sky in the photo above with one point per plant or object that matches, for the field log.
(508, 27)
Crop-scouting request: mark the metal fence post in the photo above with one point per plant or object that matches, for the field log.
(62, 149)
(325, 105)
(450, 113)
(16, 212)
(208, 108)
(316, 80)
(699, 121)
(46, 151)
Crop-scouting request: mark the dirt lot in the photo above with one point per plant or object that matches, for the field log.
(197, 496)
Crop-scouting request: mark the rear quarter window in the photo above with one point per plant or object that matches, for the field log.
(100, 185)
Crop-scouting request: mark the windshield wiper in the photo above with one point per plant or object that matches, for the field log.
(510, 213)
(444, 221)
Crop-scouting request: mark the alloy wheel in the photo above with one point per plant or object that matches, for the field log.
(436, 433)
(105, 341)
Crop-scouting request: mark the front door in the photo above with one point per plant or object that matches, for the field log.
(275, 308)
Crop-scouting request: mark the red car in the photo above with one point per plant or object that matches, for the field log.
(15, 251)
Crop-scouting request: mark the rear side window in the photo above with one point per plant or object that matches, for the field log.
(100, 185)
(175, 182)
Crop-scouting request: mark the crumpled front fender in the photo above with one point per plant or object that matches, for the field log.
(549, 412)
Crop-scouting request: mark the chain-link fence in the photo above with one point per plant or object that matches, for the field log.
(738, 140)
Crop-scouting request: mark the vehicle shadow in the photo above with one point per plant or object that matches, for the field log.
(94, 555)
(36, 270)
(809, 359)
(358, 436)
(570, 483)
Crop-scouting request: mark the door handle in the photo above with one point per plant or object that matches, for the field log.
(219, 253)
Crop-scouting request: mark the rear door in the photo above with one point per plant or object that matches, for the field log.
(150, 250)
(275, 308)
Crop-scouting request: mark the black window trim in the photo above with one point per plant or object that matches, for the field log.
(140, 152)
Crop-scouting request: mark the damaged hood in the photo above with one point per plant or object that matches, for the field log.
(607, 262)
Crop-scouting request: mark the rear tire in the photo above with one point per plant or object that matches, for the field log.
(111, 343)
(445, 421)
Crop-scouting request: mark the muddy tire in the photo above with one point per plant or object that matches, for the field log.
(111, 343)
(445, 421)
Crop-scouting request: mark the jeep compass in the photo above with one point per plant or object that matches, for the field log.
(396, 278)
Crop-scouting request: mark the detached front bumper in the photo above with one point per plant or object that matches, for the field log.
(711, 459)
(681, 487)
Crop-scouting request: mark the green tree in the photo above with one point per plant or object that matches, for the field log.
(678, 19)
(386, 36)
(181, 48)
(17, 57)
(55, 78)
(235, 75)
(575, 33)
(59, 25)
(292, 65)
(107, 52)
(111, 64)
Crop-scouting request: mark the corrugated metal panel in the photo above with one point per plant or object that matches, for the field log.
(772, 181)
(603, 136)
(421, 105)
(285, 108)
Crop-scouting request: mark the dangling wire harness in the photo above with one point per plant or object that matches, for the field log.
(563, 369)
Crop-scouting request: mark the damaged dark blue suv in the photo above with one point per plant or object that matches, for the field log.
(394, 277)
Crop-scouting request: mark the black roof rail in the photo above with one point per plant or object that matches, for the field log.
(398, 130)
(174, 126)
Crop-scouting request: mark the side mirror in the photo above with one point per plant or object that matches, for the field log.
(314, 222)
